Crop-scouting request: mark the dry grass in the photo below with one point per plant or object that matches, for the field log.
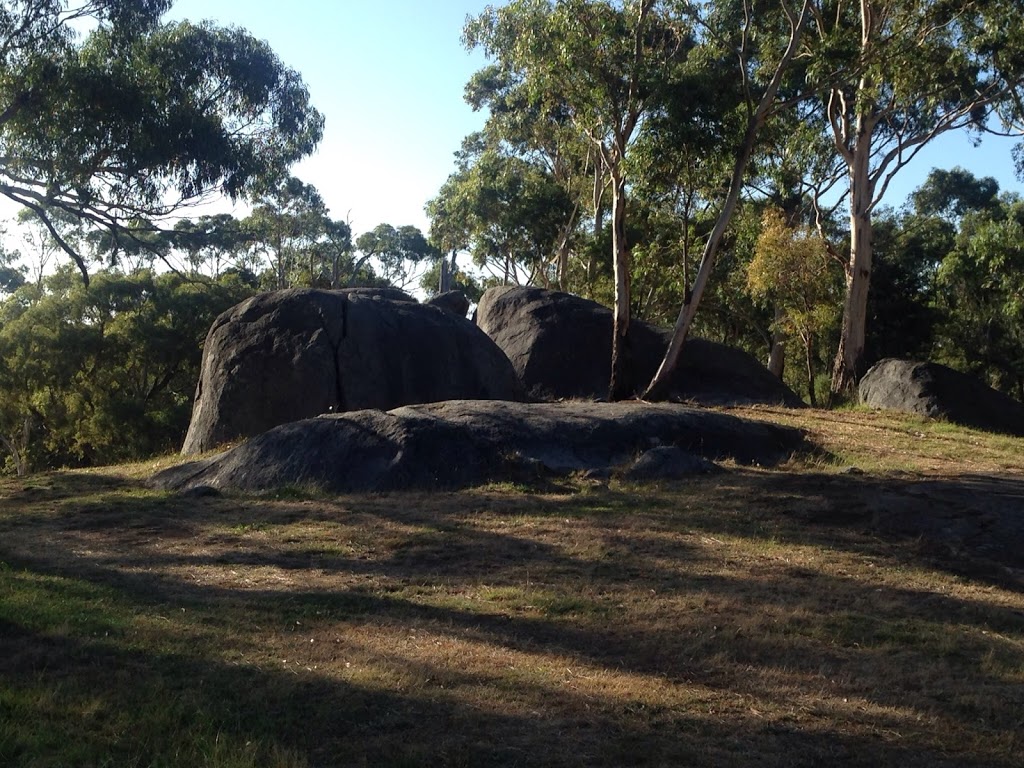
(768, 618)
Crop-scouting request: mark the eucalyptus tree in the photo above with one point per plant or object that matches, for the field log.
(981, 293)
(951, 194)
(604, 65)
(284, 227)
(105, 373)
(792, 268)
(894, 75)
(509, 212)
(395, 250)
(12, 275)
(39, 249)
(212, 244)
(539, 132)
(764, 42)
(136, 118)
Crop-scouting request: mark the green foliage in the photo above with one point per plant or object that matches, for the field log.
(902, 315)
(396, 250)
(792, 270)
(139, 117)
(894, 75)
(508, 212)
(951, 194)
(980, 289)
(12, 276)
(462, 281)
(98, 375)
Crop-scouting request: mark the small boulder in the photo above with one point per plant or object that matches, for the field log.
(668, 462)
(938, 392)
(451, 301)
(290, 355)
(560, 345)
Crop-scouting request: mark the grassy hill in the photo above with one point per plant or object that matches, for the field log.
(862, 605)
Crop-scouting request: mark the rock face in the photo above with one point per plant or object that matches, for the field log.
(293, 354)
(458, 443)
(560, 345)
(938, 392)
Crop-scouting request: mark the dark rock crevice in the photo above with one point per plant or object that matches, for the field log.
(289, 355)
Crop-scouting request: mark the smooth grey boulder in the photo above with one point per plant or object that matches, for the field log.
(289, 355)
(461, 443)
(560, 346)
(938, 392)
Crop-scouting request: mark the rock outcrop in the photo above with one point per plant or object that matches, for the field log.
(290, 355)
(938, 392)
(462, 443)
(560, 346)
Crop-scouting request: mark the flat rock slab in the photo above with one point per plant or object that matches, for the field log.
(461, 443)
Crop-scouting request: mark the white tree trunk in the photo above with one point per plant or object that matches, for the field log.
(621, 385)
(777, 356)
(850, 356)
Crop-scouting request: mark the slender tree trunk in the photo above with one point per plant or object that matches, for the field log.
(599, 187)
(355, 269)
(621, 385)
(442, 278)
(659, 386)
(562, 276)
(808, 340)
(20, 462)
(777, 356)
(849, 363)
(19, 467)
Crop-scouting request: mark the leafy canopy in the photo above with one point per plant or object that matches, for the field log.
(138, 118)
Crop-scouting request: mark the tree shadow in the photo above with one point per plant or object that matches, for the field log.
(707, 640)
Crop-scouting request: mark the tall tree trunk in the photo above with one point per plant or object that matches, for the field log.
(849, 363)
(659, 386)
(355, 269)
(442, 280)
(562, 276)
(621, 385)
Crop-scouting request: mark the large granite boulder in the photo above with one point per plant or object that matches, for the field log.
(560, 345)
(938, 392)
(459, 443)
(289, 355)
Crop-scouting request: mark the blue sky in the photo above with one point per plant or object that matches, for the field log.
(388, 76)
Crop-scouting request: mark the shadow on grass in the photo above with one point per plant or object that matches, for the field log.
(762, 661)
